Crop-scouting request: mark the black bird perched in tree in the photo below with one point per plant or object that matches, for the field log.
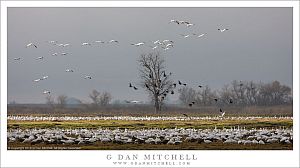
(162, 97)
(167, 91)
(216, 100)
(174, 84)
(135, 88)
(146, 86)
(165, 94)
(190, 104)
(179, 82)
(230, 101)
(150, 76)
(155, 85)
(165, 74)
(193, 102)
(130, 85)
(172, 92)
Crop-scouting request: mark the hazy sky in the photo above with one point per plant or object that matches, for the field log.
(257, 46)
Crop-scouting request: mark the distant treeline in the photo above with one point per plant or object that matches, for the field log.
(239, 93)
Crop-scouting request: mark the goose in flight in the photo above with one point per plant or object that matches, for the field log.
(31, 44)
(190, 24)
(69, 70)
(85, 43)
(185, 36)
(87, 77)
(98, 41)
(201, 35)
(17, 59)
(113, 41)
(165, 41)
(222, 30)
(65, 45)
(153, 48)
(39, 58)
(174, 21)
(44, 77)
(169, 45)
(36, 80)
(230, 101)
(52, 42)
(133, 101)
(60, 45)
(156, 42)
(46, 92)
(64, 53)
(138, 44)
(54, 54)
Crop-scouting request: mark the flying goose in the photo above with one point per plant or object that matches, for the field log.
(46, 92)
(31, 44)
(222, 30)
(138, 44)
(69, 70)
(222, 112)
(39, 58)
(85, 43)
(17, 58)
(113, 41)
(87, 77)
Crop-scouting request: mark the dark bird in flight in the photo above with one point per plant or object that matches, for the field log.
(185, 115)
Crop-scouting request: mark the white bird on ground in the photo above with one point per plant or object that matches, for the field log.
(87, 77)
(46, 92)
(31, 44)
(84, 44)
(69, 70)
(113, 41)
(138, 44)
(39, 58)
(222, 30)
(17, 59)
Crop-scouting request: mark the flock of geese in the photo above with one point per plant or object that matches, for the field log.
(164, 44)
(151, 136)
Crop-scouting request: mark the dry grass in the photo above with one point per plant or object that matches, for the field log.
(182, 146)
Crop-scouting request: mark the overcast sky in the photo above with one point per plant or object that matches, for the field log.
(257, 47)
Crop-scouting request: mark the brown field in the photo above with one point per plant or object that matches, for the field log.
(143, 110)
(182, 146)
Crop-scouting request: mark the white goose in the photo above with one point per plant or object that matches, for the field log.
(39, 58)
(138, 44)
(46, 92)
(85, 43)
(69, 70)
(222, 30)
(31, 44)
(87, 77)
(17, 59)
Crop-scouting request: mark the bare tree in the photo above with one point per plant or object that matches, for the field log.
(95, 96)
(50, 100)
(105, 98)
(186, 95)
(154, 78)
(100, 99)
(62, 101)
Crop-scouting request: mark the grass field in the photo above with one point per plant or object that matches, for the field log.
(122, 124)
